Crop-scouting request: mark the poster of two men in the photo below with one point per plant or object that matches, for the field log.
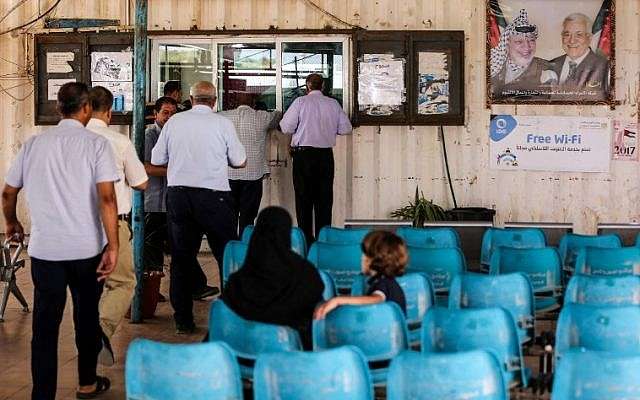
(548, 51)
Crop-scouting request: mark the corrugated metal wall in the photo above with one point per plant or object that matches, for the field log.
(377, 169)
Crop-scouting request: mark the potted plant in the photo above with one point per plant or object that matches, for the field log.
(419, 211)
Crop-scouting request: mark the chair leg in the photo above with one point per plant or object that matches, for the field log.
(18, 294)
(4, 293)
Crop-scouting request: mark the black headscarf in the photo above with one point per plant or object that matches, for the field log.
(275, 285)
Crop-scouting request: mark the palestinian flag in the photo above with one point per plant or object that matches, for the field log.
(603, 29)
(496, 21)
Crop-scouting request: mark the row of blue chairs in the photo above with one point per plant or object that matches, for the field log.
(597, 344)
(161, 371)
(381, 333)
(164, 371)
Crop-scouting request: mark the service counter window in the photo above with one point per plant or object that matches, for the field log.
(269, 71)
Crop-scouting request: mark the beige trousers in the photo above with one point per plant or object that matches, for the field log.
(119, 285)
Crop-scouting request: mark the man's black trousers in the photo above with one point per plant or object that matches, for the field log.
(313, 185)
(50, 281)
(190, 212)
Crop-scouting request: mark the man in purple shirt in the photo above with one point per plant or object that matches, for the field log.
(314, 121)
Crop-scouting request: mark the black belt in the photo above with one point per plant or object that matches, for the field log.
(297, 149)
(122, 217)
(197, 189)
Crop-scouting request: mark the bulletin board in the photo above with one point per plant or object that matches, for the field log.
(104, 59)
(409, 78)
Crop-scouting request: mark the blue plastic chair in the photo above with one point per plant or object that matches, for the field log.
(517, 238)
(330, 234)
(594, 375)
(335, 374)
(490, 329)
(471, 375)
(298, 242)
(570, 243)
(249, 339)
(429, 237)
(329, 285)
(198, 371)
(379, 330)
(513, 292)
(603, 290)
(419, 295)
(541, 265)
(233, 257)
(341, 261)
(600, 328)
(440, 265)
(608, 262)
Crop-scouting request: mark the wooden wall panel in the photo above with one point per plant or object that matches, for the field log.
(377, 169)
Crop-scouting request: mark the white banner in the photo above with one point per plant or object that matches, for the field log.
(547, 143)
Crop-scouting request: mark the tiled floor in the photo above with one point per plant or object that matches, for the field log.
(15, 337)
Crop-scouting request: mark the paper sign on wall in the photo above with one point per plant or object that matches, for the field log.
(58, 62)
(123, 89)
(53, 87)
(549, 143)
(380, 80)
(111, 66)
(625, 141)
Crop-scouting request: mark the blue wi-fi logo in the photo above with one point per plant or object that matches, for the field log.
(501, 126)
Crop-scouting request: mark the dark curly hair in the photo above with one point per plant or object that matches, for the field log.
(387, 252)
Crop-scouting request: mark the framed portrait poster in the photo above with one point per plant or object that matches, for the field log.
(550, 51)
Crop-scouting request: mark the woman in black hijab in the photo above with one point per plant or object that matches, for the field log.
(275, 285)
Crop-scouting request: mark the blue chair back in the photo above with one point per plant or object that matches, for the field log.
(440, 265)
(336, 374)
(379, 330)
(518, 238)
(341, 261)
(601, 328)
(608, 262)
(419, 295)
(429, 237)
(541, 265)
(249, 339)
(298, 242)
(603, 290)
(593, 375)
(329, 285)
(233, 257)
(513, 292)
(198, 371)
(469, 375)
(571, 242)
(330, 234)
(490, 329)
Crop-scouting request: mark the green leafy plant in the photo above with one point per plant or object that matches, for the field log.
(419, 211)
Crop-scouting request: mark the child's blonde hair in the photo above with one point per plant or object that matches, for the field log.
(387, 252)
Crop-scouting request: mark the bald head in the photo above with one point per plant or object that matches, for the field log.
(203, 92)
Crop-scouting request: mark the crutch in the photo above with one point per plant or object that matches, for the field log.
(9, 264)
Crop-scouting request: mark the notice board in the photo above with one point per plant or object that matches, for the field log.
(95, 58)
(409, 78)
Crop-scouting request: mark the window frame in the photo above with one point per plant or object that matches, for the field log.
(279, 38)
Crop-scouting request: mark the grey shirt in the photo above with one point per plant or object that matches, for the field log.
(198, 145)
(155, 194)
(59, 170)
(252, 128)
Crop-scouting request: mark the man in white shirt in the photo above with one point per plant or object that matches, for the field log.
(67, 173)
(120, 285)
(197, 146)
